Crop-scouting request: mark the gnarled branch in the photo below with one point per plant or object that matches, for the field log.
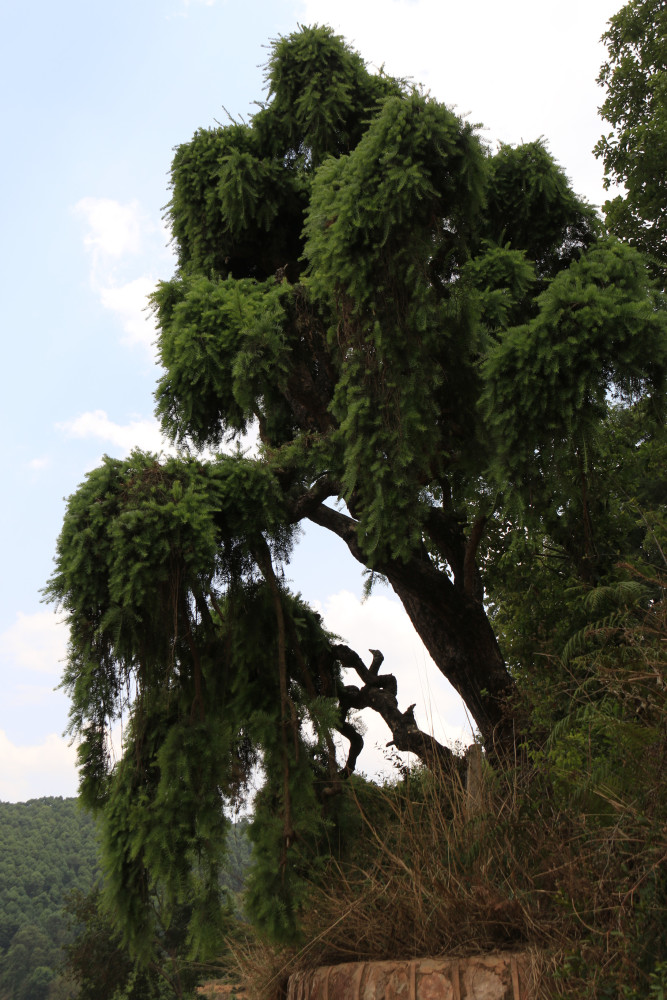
(379, 693)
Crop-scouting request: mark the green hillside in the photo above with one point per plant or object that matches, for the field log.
(50, 908)
(48, 848)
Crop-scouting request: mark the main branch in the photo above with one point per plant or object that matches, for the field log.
(454, 628)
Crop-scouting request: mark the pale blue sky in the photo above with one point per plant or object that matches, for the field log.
(95, 97)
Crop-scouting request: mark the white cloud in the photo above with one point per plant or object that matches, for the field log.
(130, 303)
(144, 434)
(39, 464)
(114, 229)
(29, 772)
(121, 240)
(381, 622)
(518, 67)
(36, 642)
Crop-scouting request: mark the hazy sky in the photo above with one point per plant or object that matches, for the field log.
(95, 98)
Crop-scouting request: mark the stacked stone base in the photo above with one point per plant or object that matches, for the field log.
(499, 976)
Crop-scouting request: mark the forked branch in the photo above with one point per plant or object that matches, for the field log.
(379, 693)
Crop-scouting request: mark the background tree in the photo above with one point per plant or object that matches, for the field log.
(102, 969)
(357, 278)
(634, 153)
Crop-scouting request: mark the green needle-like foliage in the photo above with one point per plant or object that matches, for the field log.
(601, 330)
(437, 336)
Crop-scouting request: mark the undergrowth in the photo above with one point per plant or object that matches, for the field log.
(563, 853)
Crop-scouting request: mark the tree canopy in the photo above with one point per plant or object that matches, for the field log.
(634, 153)
(438, 336)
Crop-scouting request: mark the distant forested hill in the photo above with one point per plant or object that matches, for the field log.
(48, 857)
(48, 848)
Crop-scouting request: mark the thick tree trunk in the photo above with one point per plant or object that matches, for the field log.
(455, 630)
(459, 638)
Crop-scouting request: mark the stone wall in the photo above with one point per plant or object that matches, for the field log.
(498, 976)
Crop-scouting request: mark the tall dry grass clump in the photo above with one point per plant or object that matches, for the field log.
(563, 852)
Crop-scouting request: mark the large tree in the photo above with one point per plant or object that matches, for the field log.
(428, 333)
(634, 152)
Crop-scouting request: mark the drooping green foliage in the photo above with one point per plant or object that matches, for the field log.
(383, 221)
(431, 333)
(170, 623)
(607, 512)
(96, 965)
(211, 326)
(239, 192)
(532, 207)
(634, 153)
(321, 97)
(601, 330)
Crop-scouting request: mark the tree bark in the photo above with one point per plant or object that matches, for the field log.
(453, 626)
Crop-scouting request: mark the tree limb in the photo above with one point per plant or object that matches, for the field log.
(340, 524)
(263, 559)
(321, 490)
(454, 628)
(379, 693)
(472, 584)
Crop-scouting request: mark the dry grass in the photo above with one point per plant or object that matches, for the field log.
(569, 865)
(443, 883)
